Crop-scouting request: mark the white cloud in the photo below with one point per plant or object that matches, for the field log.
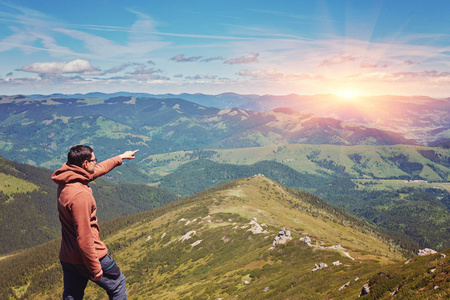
(212, 59)
(201, 77)
(274, 75)
(141, 69)
(251, 58)
(337, 60)
(260, 73)
(117, 69)
(419, 76)
(74, 66)
(181, 58)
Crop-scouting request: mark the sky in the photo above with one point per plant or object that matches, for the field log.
(306, 47)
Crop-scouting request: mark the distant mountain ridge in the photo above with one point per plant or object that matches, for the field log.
(416, 117)
(38, 131)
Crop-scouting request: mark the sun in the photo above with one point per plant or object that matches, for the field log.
(347, 94)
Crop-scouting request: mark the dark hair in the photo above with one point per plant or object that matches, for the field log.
(78, 154)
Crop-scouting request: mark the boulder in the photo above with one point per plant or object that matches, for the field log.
(344, 286)
(196, 243)
(320, 266)
(426, 251)
(365, 290)
(283, 237)
(256, 228)
(307, 241)
(187, 236)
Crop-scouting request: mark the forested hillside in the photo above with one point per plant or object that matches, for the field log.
(28, 212)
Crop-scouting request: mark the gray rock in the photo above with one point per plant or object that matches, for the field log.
(365, 290)
(394, 292)
(337, 263)
(283, 237)
(426, 251)
(318, 267)
(307, 241)
(344, 286)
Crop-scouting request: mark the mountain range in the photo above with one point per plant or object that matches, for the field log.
(317, 196)
(424, 119)
(372, 173)
(38, 132)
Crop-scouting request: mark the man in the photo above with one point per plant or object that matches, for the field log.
(83, 255)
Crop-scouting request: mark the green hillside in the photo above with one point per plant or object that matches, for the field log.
(364, 162)
(223, 255)
(414, 210)
(422, 277)
(28, 214)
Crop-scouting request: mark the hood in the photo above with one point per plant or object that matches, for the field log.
(71, 173)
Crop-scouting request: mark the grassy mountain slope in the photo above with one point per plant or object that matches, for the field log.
(28, 214)
(363, 162)
(416, 214)
(223, 258)
(422, 277)
(402, 189)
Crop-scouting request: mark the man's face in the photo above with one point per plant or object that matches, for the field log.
(89, 165)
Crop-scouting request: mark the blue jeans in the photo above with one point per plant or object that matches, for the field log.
(76, 278)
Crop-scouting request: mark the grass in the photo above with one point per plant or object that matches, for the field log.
(10, 185)
(384, 184)
(158, 266)
(374, 160)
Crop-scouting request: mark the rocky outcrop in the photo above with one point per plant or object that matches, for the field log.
(283, 237)
(365, 290)
(187, 236)
(196, 243)
(256, 228)
(319, 266)
(306, 240)
(344, 286)
(426, 251)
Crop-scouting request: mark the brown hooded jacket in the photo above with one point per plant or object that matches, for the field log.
(77, 209)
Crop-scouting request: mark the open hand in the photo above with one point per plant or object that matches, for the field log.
(128, 154)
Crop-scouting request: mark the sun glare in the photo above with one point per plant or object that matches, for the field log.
(347, 94)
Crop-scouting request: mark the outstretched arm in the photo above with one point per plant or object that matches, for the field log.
(128, 154)
(109, 164)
